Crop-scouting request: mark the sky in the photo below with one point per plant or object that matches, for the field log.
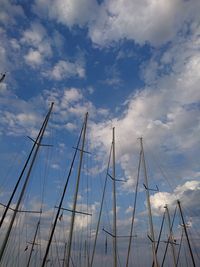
(133, 65)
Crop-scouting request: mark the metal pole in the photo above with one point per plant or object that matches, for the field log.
(5, 241)
(33, 243)
(60, 205)
(76, 195)
(22, 172)
(171, 236)
(186, 233)
(149, 207)
(114, 205)
(134, 210)
(100, 212)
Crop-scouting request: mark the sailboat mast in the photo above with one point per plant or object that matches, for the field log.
(24, 168)
(33, 243)
(114, 204)
(134, 210)
(60, 204)
(171, 236)
(149, 206)
(76, 195)
(101, 209)
(5, 241)
(186, 234)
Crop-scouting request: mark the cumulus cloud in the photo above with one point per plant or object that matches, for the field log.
(71, 126)
(9, 52)
(71, 105)
(66, 69)
(142, 21)
(18, 124)
(165, 112)
(38, 44)
(33, 58)
(9, 11)
(20, 117)
(187, 193)
(67, 12)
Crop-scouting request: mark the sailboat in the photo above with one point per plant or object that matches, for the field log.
(76, 247)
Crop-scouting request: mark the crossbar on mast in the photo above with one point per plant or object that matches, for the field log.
(75, 211)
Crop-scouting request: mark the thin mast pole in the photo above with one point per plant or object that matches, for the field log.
(76, 194)
(171, 235)
(114, 205)
(179, 251)
(33, 243)
(134, 210)
(186, 233)
(5, 241)
(160, 233)
(149, 207)
(60, 204)
(101, 209)
(23, 170)
(165, 253)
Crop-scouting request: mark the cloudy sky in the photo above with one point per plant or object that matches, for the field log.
(133, 65)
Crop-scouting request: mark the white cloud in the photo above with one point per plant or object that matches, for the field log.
(188, 194)
(14, 43)
(33, 57)
(143, 21)
(90, 90)
(20, 123)
(20, 117)
(129, 209)
(9, 11)
(9, 52)
(66, 69)
(55, 166)
(71, 95)
(71, 126)
(71, 106)
(3, 56)
(165, 113)
(38, 44)
(67, 12)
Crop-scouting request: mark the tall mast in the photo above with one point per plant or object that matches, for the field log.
(5, 241)
(76, 195)
(61, 202)
(170, 240)
(101, 209)
(24, 168)
(33, 244)
(149, 207)
(114, 204)
(186, 234)
(134, 210)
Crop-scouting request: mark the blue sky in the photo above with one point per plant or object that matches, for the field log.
(133, 65)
